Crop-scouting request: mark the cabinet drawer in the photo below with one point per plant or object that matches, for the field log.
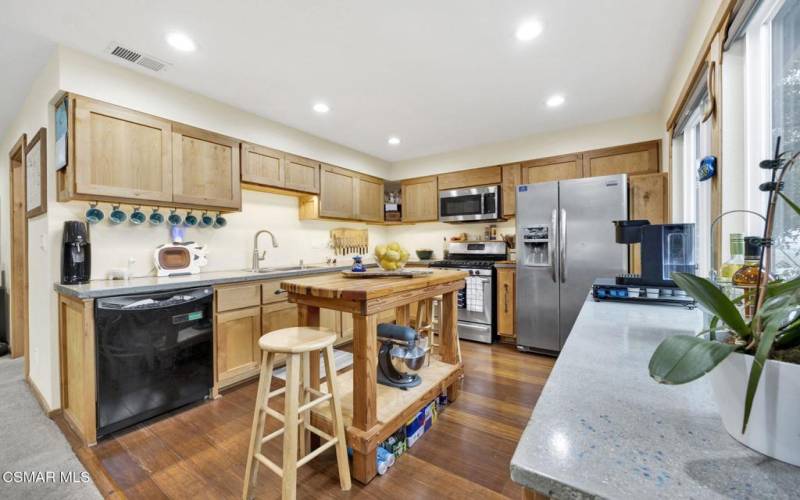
(272, 292)
(237, 297)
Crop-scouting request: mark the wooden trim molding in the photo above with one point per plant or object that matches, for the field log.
(18, 326)
(718, 26)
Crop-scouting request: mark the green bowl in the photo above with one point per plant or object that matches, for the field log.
(424, 254)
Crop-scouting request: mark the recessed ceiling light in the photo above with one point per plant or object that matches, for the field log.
(394, 141)
(529, 30)
(321, 107)
(555, 101)
(181, 42)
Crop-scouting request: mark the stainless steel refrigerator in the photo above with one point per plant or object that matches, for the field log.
(565, 239)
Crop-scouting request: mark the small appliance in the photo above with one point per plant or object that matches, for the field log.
(476, 314)
(400, 356)
(179, 258)
(665, 249)
(563, 245)
(469, 204)
(76, 253)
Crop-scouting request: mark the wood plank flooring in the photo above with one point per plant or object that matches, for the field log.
(200, 452)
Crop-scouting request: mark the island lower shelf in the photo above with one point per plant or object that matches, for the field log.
(394, 406)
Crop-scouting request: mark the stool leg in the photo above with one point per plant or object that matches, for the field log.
(305, 377)
(259, 418)
(338, 423)
(290, 425)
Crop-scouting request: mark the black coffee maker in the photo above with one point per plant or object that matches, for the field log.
(76, 254)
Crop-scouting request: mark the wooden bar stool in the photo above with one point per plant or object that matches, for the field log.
(296, 343)
(426, 323)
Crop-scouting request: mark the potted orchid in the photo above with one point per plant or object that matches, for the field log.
(739, 353)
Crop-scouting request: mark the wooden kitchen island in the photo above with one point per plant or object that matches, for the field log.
(372, 413)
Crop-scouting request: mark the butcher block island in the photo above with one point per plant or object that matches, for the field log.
(372, 412)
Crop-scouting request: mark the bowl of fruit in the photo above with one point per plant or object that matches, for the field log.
(391, 257)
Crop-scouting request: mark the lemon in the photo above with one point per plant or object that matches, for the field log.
(392, 256)
(380, 251)
(394, 246)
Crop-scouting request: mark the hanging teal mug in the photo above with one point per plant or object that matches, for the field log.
(174, 219)
(219, 221)
(206, 220)
(137, 216)
(94, 214)
(156, 218)
(117, 215)
(190, 220)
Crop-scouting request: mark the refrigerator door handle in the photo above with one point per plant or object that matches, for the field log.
(563, 245)
(551, 242)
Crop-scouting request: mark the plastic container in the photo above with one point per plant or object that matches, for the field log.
(634, 291)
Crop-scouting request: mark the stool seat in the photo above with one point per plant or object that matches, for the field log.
(298, 339)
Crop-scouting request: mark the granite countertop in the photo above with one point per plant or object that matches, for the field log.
(147, 284)
(506, 263)
(603, 429)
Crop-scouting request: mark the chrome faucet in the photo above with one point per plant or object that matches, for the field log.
(259, 256)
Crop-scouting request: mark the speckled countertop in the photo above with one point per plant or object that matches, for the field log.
(147, 284)
(603, 429)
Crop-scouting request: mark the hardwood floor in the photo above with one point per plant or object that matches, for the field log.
(200, 452)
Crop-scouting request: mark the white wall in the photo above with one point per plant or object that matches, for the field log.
(43, 339)
(593, 136)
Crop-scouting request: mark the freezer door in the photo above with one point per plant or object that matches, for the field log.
(586, 235)
(537, 267)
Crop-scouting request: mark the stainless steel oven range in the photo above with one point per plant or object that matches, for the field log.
(476, 303)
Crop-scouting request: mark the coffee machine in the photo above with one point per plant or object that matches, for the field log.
(664, 249)
(76, 253)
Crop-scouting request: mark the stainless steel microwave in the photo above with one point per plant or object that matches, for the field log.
(469, 204)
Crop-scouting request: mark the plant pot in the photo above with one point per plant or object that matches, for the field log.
(774, 426)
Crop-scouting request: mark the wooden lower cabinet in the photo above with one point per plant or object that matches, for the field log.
(506, 283)
(236, 335)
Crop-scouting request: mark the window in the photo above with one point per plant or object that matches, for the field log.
(772, 94)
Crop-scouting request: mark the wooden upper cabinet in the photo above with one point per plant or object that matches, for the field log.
(554, 168)
(302, 174)
(647, 199)
(420, 199)
(121, 153)
(468, 178)
(263, 166)
(631, 159)
(512, 177)
(369, 198)
(205, 168)
(337, 197)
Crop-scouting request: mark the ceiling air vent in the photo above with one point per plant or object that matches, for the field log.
(135, 57)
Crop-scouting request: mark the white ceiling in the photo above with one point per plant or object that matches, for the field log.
(442, 75)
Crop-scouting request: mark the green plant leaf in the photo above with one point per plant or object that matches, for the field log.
(714, 300)
(681, 359)
(764, 346)
(789, 336)
(789, 202)
(782, 287)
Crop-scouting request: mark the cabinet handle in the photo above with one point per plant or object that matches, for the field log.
(279, 291)
(505, 301)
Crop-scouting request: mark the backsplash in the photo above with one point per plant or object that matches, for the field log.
(431, 234)
(229, 248)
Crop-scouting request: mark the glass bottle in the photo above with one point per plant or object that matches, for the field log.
(730, 266)
(747, 276)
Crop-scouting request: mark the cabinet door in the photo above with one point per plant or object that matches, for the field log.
(512, 177)
(420, 199)
(301, 174)
(648, 200)
(337, 197)
(121, 153)
(555, 168)
(262, 165)
(505, 301)
(467, 178)
(205, 168)
(369, 199)
(632, 159)
(346, 326)
(278, 316)
(237, 343)
(328, 318)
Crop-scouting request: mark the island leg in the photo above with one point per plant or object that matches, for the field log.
(448, 337)
(402, 315)
(365, 390)
(309, 316)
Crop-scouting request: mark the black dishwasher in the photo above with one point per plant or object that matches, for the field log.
(154, 354)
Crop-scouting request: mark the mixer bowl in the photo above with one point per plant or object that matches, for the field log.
(408, 360)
